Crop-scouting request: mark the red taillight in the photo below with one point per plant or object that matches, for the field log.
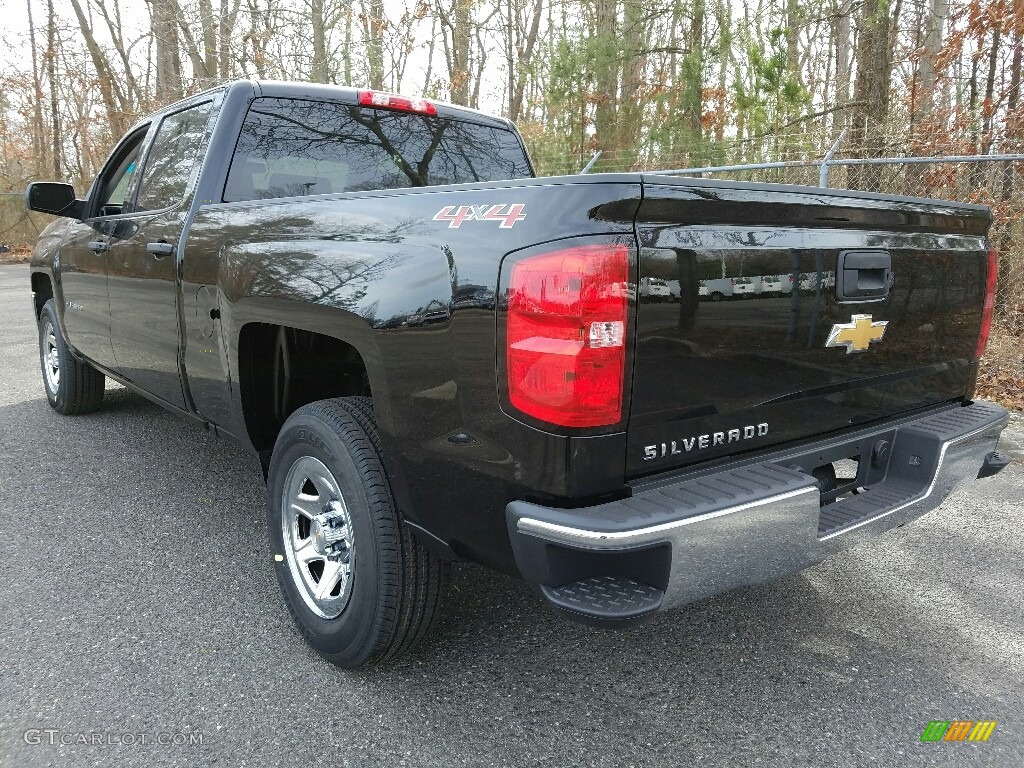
(990, 302)
(566, 335)
(382, 100)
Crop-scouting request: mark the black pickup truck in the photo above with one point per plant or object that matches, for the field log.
(437, 356)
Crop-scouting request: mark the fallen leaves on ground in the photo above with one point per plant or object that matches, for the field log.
(1005, 387)
(18, 254)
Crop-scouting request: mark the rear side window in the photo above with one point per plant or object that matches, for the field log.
(172, 157)
(290, 147)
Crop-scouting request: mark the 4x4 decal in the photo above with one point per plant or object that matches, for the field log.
(456, 214)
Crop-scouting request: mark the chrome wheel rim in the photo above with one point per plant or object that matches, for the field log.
(51, 358)
(317, 533)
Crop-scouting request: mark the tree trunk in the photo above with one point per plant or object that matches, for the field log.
(606, 74)
(634, 41)
(793, 39)
(347, 55)
(318, 67)
(38, 130)
(168, 58)
(259, 33)
(208, 22)
(118, 41)
(374, 30)
(871, 88)
(842, 33)
(524, 58)
(109, 86)
(459, 74)
(511, 40)
(428, 86)
(927, 76)
(988, 106)
(693, 100)
(228, 18)
(51, 75)
(724, 13)
(481, 62)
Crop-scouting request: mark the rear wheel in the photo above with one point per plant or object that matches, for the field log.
(72, 385)
(360, 587)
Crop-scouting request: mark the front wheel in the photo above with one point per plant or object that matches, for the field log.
(360, 587)
(72, 385)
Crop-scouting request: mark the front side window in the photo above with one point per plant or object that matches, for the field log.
(120, 190)
(290, 147)
(115, 183)
(173, 156)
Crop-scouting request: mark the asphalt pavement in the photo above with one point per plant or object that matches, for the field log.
(138, 606)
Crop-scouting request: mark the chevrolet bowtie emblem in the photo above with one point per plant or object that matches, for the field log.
(857, 335)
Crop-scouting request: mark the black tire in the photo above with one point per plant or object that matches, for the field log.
(716, 296)
(396, 584)
(76, 387)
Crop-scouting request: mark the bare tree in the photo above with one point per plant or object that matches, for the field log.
(635, 28)
(841, 26)
(374, 27)
(522, 26)
(988, 106)
(114, 99)
(51, 75)
(872, 87)
(926, 69)
(457, 33)
(606, 74)
(37, 84)
(318, 24)
(168, 58)
(214, 37)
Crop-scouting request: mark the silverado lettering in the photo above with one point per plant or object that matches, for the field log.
(346, 284)
(748, 432)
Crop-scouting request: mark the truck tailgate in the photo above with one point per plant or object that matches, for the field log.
(719, 372)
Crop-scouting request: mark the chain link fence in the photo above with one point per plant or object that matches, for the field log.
(996, 183)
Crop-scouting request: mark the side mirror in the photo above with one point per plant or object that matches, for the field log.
(54, 197)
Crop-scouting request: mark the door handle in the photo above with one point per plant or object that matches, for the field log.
(160, 249)
(98, 245)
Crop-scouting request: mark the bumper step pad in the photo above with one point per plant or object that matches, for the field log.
(606, 597)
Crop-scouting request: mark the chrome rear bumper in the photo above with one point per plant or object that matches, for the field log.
(673, 542)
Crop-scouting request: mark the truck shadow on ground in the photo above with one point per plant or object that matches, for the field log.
(850, 629)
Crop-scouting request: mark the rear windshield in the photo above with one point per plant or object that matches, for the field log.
(290, 147)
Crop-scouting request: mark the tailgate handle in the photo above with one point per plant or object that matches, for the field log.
(863, 275)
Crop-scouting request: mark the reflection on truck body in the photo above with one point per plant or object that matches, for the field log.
(762, 286)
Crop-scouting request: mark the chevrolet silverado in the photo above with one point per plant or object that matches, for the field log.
(437, 356)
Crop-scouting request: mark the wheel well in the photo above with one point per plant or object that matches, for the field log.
(282, 369)
(43, 290)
